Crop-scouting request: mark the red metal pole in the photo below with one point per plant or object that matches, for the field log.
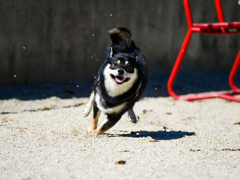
(229, 97)
(208, 28)
(233, 73)
(219, 11)
(178, 64)
(188, 13)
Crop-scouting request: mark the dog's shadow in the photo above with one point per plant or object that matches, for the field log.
(159, 135)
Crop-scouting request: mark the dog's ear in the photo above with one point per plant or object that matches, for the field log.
(135, 54)
(111, 52)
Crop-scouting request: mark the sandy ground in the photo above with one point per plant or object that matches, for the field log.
(48, 139)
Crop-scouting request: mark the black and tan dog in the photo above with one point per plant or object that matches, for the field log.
(120, 82)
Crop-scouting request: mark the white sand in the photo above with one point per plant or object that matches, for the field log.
(172, 140)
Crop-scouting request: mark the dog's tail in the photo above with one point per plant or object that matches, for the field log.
(121, 36)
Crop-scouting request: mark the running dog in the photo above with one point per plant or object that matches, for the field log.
(120, 82)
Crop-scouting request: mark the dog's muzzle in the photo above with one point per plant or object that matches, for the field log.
(119, 79)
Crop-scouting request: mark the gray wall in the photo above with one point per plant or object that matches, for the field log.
(52, 40)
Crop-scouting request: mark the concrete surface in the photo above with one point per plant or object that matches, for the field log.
(48, 139)
(44, 136)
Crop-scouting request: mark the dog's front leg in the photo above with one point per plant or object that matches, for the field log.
(94, 121)
(87, 108)
(109, 122)
(132, 116)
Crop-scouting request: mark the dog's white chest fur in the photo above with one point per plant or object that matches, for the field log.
(111, 110)
(112, 87)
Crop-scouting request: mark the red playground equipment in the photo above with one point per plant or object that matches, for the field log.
(220, 28)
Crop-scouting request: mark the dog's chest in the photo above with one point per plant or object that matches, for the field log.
(102, 106)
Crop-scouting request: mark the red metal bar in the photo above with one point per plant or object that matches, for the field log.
(218, 31)
(216, 25)
(198, 97)
(229, 97)
(233, 73)
(219, 10)
(188, 13)
(178, 64)
(208, 28)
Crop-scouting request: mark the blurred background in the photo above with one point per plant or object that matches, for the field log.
(56, 41)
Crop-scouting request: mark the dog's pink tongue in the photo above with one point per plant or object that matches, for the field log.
(119, 79)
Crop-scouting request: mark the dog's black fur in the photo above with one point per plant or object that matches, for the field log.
(124, 51)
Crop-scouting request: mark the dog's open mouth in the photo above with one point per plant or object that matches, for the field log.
(119, 79)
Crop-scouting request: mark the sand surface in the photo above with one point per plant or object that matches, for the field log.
(48, 139)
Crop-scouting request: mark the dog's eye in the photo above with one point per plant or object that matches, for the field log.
(128, 67)
(115, 64)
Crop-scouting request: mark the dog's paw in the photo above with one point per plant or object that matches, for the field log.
(86, 110)
(91, 129)
(94, 133)
(97, 132)
(134, 119)
(131, 115)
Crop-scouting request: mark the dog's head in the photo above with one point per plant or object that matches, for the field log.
(121, 72)
(122, 68)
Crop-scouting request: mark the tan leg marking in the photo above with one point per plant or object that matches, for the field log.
(100, 129)
(93, 123)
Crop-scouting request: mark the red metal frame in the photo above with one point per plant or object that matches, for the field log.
(222, 28)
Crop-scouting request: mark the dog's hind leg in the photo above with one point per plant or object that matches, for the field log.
(132, 116)
(94, 121)
(87, 108)
(109, 122)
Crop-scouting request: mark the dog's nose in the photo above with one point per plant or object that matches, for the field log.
(120, 71)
